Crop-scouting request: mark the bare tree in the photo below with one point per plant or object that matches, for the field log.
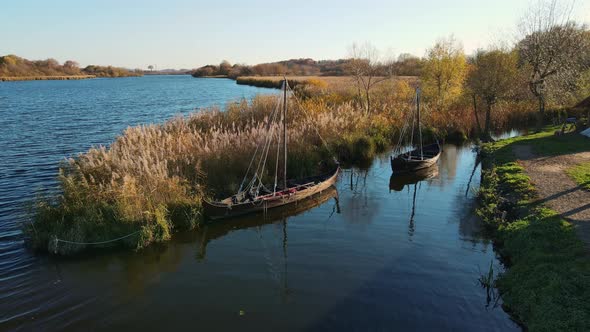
(224, 67)
(71, 67)
(551, 49)
(367, 69)
(71, 64)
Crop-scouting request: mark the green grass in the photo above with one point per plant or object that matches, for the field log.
(581, 174)
(543, 143)
(547, 284)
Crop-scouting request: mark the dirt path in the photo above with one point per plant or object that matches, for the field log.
(556, 189)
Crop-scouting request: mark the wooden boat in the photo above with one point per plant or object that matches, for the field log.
(212, 231)
(256, 197)
(296, 191)
(423, 156)
(416, 159)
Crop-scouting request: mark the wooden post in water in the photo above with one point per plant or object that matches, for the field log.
(419, 127)
(285, 133)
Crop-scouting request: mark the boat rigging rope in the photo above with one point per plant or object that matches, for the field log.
(412, 133)
(257, 178)
(402, 134)
(264, 144)
(314, 124)
(248, 170)
(274, 190)
(265, 153)
(408, 124)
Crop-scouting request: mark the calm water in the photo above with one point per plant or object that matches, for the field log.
(363, 257)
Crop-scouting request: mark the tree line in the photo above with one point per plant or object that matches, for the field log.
(14, 66)
(406, 65)
(550, 65)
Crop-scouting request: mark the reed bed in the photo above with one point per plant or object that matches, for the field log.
(151, 180)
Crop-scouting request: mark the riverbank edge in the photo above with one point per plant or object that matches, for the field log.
(271, 83)
(546, 286)
(46, 78)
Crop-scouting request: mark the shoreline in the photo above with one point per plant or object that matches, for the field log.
(545, 284)
(46, 78)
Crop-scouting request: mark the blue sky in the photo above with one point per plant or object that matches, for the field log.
(188, 34)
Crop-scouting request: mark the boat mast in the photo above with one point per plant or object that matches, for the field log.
(285, 132)
(419, 127)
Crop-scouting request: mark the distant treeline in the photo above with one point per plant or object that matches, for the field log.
(12, 66)
(405, 65)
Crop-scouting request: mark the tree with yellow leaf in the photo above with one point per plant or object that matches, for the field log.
(444, 73)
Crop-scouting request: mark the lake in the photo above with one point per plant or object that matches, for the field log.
(372, 254)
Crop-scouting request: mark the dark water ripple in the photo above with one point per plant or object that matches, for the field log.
(44, 122)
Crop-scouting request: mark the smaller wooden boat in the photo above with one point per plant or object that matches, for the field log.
(416, 159)
(423, 156)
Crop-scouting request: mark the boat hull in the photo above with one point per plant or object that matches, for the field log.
(411, 162)
(222, 209)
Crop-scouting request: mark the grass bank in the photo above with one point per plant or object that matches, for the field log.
(44, 78)
(276, 82)
(581, 174)
(547, 284)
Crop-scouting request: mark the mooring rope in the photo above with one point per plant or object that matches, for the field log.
(56, 241)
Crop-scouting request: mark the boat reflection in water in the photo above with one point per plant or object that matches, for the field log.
(218, 229)
(397, 182)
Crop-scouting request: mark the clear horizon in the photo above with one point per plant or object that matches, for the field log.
(182, 34)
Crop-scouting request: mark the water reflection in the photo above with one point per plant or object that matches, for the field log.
(448, 161)
(397, 182)
(358, 207)
(215, 230)
(375, 253)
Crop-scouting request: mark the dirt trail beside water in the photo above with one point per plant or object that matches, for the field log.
(556, 189)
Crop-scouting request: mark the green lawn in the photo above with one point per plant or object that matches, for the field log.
(544, 143)
(581, 174)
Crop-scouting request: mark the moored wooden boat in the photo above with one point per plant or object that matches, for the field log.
(416, 160)
(423, 156)
(296, 191)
